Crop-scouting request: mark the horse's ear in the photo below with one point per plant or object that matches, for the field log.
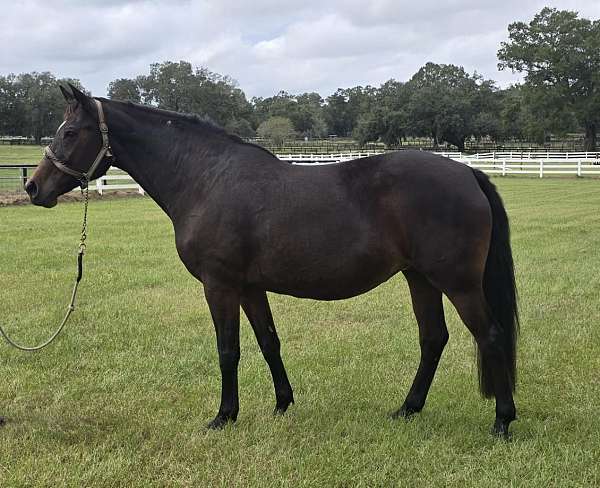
(85, 101)
(67, 94)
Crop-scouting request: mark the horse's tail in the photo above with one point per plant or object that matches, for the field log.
(499, 287)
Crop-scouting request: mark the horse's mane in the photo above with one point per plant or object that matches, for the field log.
(202, 122)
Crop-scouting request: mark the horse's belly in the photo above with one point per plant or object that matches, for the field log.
(329, 278)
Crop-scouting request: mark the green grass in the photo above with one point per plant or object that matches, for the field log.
(20, 154)
(123, 397)
(9, 178)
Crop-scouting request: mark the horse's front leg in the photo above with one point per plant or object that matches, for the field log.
(224, 305)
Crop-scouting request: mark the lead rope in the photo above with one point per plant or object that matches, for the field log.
(71, 306)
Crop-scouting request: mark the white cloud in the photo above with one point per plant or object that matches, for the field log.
(267, 45)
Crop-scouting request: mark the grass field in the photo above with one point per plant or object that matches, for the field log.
(20, 154)
(9, 178)
(123, 397)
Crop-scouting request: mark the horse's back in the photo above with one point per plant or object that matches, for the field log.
(338, 230)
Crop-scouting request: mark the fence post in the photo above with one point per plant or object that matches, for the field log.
(504, 167)
(541, 168)
(579, 167)
(99, 186)
(23, 177)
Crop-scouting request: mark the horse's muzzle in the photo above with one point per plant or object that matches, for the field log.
(31, 188)
(33, 191)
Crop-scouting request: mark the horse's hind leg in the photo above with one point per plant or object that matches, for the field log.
(473, 310)
(433, 336)
(256, 307)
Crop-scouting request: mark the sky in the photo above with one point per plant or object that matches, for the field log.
(265, 45)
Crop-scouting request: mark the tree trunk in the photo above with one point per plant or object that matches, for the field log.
(590, 137)
(37, 134)
(458, 141)
(434, 136)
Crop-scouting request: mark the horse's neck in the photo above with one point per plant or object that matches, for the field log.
(166, 169)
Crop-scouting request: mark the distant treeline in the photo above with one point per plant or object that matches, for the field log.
(558, 52)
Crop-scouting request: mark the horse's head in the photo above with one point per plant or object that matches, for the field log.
(78, 150)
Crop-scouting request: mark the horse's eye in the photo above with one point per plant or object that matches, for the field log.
(70, 133)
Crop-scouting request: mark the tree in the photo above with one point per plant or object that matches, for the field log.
(31, 104)
(560, 54)
(240, 127)
(277, 129)
(183, 88)
(308, 115)
(386, 118)
(305, 111)
(125, 89)
(280, 105)
(344, 107)
(511, 113)
(378, 124)
(444, 102)
(524, 115)
(12, 115)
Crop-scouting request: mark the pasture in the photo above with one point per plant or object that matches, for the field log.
(10, 181)
(123, 397)
(20, 154)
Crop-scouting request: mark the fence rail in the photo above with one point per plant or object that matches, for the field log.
(541, 164)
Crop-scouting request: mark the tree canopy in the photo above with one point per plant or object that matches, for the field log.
(181, 87)
(31, 104)
(278, 129)
(560, 54)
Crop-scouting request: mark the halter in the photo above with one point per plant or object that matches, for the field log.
(85, 177)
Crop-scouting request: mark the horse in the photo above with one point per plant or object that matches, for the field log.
(247, 223)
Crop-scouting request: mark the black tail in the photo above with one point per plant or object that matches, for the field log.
(499, 287)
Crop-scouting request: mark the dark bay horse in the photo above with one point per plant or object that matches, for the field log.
(247, 223)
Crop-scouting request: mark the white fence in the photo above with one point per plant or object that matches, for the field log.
(117, 180)
(532, 163)
(505, 163)
(526, 155)
(501, 163)
(309, 159)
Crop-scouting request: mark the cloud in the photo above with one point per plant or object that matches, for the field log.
(267, 45)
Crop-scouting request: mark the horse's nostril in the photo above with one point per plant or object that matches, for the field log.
(31, 188)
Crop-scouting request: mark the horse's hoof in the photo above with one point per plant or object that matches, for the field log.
(219, 422)
(500, 430)
(2, 421)
(404, 413)
(281, 408)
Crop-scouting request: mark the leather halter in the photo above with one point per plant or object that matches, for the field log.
(85, 177)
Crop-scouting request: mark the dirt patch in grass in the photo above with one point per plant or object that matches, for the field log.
(20, 198)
